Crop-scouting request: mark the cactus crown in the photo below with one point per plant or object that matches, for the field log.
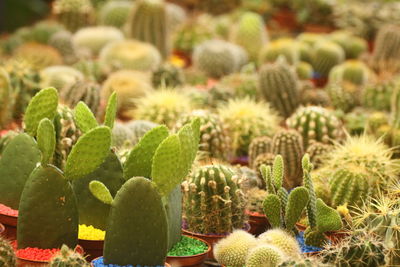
(68, 257)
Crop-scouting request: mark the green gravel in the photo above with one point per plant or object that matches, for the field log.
(188, 247)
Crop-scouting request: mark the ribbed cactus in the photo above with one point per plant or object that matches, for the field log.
(258, 146)
(353, 46)
(378, 95)
(5, 98)
(395, 109)
(304, 70)
(62, 41)
(343, 96)
(68, 258)
(279, 86)
(289, 144)
(213, 189)
(283, 241)
(352, 71)
(88, 92)
(264, 255)
(316, 123)
(386, 53)
(318, 153)
(115, 13)
(218, 58)
(167, 75)
(255, 198)
(7, 255)
(74, 14)
(233, 250)
(327, 55)
(284, 47)
(148, 23)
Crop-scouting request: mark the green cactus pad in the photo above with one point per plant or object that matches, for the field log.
(196, 123)
(84, 117)
(18, 160)
(328, 219)
(165, 169)
(140, 159)
(111, 110)
(137, 233)
(174, 215)
(43, 105)
(91, 210)
(101, 192)
(272, 210)
(46, 140)
(188, 149)
(297, 201)
(278, 171)
(88, 153)
(48, 215)
(314, 238)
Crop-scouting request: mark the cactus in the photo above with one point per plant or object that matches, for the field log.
(255, 198)
(318, 153)
(115, 13)
(90, 69)
(258, 146)
(6, 98)
(283, 241)
(138, 129)
(38, 55)
(176, 16)
(163, 106)
(315, 97)
(247, 119)
(129, 54)
(168, 75)
(148, 23)
(243, 84)
(327, 55)
(233, 249)
(304, 70)
(74, 14)
(213, 189)
(88, 92)
(395, 109)
(343, 96)
(59, 76)
(7, 255)
(316, 123)
(378, 95)
(352, 71)
(279, 48)
(385, 55)
(121, 136)
(5, 140)
(264, 255)
(263, 159)
(68, 258)
(279, 86)
(375, 121)
(218, 58)
(214, 137)
(62, 41)
(289, 144)
(353, 46)
(251, 34)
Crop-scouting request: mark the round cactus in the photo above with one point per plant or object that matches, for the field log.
(304, 70)
(258, 146)
(264, 255)
(138, 128)
(74, 14)
(255, 199)
(242, 84)
(213, 201)
(353, 46)
(378, 96)
(42, 31)
(62, 41)
(279, 48)
(59, 77)
(343, 96)
(318, 152)
(7, 255)
(283, 241)
(88, 92)
(168, 75)
(115, 13)
(351, 71)
(68, 258)
(39, 55)
(327, 55)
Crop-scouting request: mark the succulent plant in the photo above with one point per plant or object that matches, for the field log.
(264, 254)
(42, 31)
(352, 71)
(304, 70)
(327, 54)
(377, 96)
(255, 198)
(91, 69)
(386, 56)
(68, 258)
(283, 241)
(167, 75)
(311, 96)
(228, 207)
(115, 13)
(38, 55)
(318, 153)
(6, 98)
(7, 255)
(343, 96)
(62, 41)
(353, 46)
(59, 76)
(74, 14)
(284, 47)
(88, 92)
(258, 146)
(139, 128)
(243, 83)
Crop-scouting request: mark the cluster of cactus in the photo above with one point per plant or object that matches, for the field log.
(68, 257)
(279, 86)
(74, 14)
(167, 75)
(88, 92)
(327, 54)
(213, 200)
(386, 56)
(115, 13)
(7, 255)
(377, 96)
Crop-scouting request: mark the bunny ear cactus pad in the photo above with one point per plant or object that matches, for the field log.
(88, 153)
(42, 105)
(101, 192)
(18, 160)
(111, 110)
(297, 201)
(137, 220)
(84, 117)
(140, 159)
(272, 210)
(46, 140)
(48, 215)
(328, 219)
(189, 149)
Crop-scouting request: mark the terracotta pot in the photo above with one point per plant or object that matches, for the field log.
(320, 82)
(315, 28)
(92, 248)
(10, 223)
(2, 229)
(286, 19)
(258, 223)
(92, 264)
(243, 161)
(21, 262)
(194, 260)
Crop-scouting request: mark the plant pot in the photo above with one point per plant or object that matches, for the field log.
(186, 57)
(2, 230)
(10, 224)
(334, 236)
(92, 248)
(30, 263)
(243, 161)
(286, 19)
(92, 262)
(194, 260)
(320, 82)
(258, 223)
(315, 28)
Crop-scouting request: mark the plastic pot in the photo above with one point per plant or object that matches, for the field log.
(193, 260)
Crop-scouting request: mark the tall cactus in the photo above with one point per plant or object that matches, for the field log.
(258, 146)
(6, 100)
(279, 86)
(386, 54)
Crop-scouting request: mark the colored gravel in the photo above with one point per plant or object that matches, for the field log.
(304, 248)
(90, 233)
(8, 211)
(188, 247)
(100, 263)
(36, 254)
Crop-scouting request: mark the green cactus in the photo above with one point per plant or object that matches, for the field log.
(68, 258)
(255, 198)
(6, 98)
(264, 255)
(138, 128)
(42, 31)
(87, 92)
(352, 71)
(258, 146)
(167, 75)
(121, 136)
(84, 117)
(343, 96)
(353, 46)
(307, 262)
(233, 250)
(283, 47)
(5, 140)
(378, 96)
(148, 23)
(327, 54)
(316, 123)
(385, 55)
(115, 13)
(7, 255)
(46, 140)
(205, 184)
(279, 86)
(243, 84)
(318, 153)
(283, 241)
(289, 144)
(263, 159)
(74, 14)
(91, 69)
(39, 55)
(59, 76)
(304, 70)
(62, 41)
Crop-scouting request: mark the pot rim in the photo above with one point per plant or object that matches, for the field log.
(255, 214)
(166, 264)
(196, 255)
(246, 227)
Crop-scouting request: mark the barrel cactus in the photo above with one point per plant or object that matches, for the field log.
(327, 55)
(68, 257)
(88, 92)
(258, 146)
(352, 71)
(167, 75)
(115, 13)
(279, 48)
(264, 254)
(344, 96)
(378, 95)
(74, 14)
(39, 55)
(283, 241)
(352, 45)
(318, 153)
(60, 76)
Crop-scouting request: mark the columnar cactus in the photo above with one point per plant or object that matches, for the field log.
(316, 123)
(88, 92)
(289, 144)
(68, 257)
(386, 52)
(74, 14)
(213, 201)
(7, 255)
(148, 23)
(258, 146)
(327, 55)
(279, 86)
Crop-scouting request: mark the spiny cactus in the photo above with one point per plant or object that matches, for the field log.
(343, 96)
(121, 136)
(351, 71)
(213, 201)
(233, 250)
(279, 86)
(129, 54)
(90, 69)
(386, 52)
(255, 198)
(243, 84)
(316, 123)
(279, 48)
(218, 58)
(138, 128)
(258, 146)
(39, 55)
(115, 13)
(289, 144)
(148, 23)
(264, 255)
(42, 31)
(318, 153)
(353, 46)
(7, 255)
(262, 159)
(168, 75)
(74, 14)
(62, 41)
(59, 76)
(88, 92)
(247, 119)
(327, 55)
(68, 258)
(304, 70)
(282, 240)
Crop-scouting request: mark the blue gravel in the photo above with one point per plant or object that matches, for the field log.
(304, 247)
(99, 263)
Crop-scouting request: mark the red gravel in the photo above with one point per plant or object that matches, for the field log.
(8, 211)
(36, 254)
